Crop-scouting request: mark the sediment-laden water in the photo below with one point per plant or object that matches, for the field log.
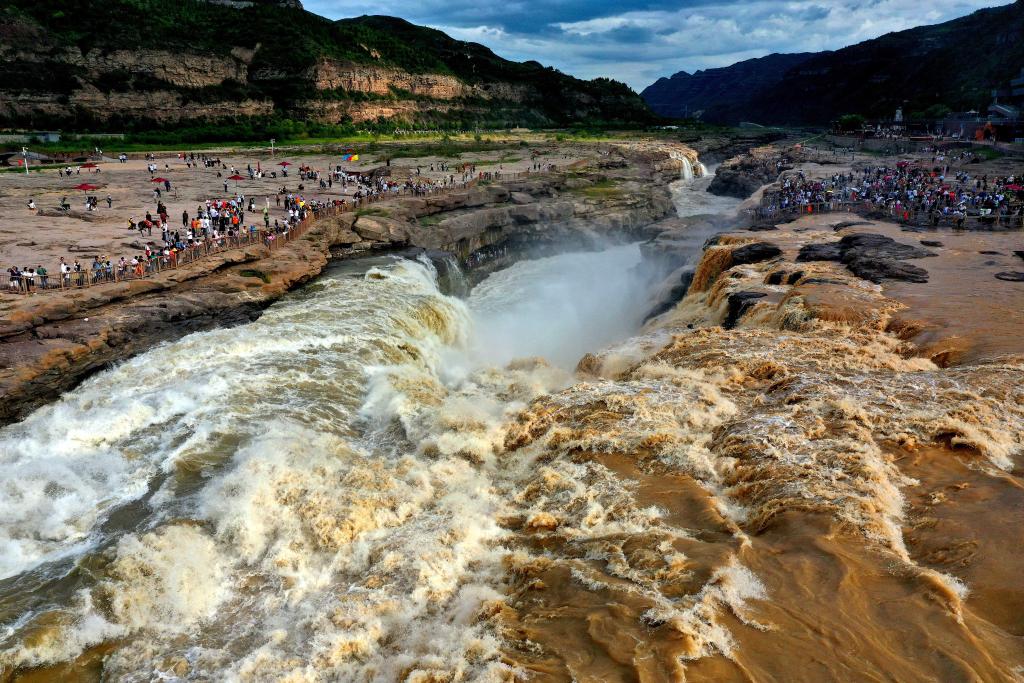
(376, 481)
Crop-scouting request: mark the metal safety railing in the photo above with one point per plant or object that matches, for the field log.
(1009, 220)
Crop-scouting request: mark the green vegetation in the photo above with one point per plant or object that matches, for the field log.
(935, 111)
(373, 211)
(600, 189)
(431, 220)
(851, 122)
(988, 153)
(252, 272)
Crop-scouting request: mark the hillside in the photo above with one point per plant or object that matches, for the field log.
(707, 92)
(956, 64)
(142, 64)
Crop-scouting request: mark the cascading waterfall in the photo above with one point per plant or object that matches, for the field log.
(327, 470)
(687, 170)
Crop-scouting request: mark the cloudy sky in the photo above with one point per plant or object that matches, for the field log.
(637, 41)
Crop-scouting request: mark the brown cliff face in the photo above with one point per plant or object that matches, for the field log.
(202, 58)
(374, 80)
(333, 111)
(331, 75)
(395, 93)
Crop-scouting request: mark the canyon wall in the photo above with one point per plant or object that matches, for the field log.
(207, 62)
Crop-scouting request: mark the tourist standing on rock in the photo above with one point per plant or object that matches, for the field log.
(110, 202)
(14, 279)
(44, 277)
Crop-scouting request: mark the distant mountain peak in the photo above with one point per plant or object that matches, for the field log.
(957, 64)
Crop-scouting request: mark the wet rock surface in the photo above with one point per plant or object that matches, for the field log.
(1011, 276)
(755, 253)
(739, 304)
(742, 176)
(871, 257)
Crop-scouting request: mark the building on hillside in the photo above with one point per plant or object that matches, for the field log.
(1002, 122)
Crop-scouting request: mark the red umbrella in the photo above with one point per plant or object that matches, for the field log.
(235, 177)
(86, 187)
(89, 165)
(285, 163)
(158, 180)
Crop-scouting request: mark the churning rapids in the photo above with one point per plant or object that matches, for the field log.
(376, 481)
(317, 491)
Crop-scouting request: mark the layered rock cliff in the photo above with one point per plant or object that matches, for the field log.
(136, 64)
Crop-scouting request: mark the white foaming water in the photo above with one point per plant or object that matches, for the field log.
(192, 402)
(691, 197)
(313, 496)
(687, 166)
(559, 307)
(334, 463)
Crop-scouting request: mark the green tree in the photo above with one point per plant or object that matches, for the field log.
(937, 111)
(851, 122)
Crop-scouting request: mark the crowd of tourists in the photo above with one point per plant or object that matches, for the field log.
(220, 223)
(907, 192)
(215, 224)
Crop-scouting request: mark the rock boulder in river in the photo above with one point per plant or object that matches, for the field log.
(740, 303)
(755, 253)
(1012, 276)
(871, 257)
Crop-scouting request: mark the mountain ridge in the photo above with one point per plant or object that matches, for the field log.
(955, 63)
(144, 64)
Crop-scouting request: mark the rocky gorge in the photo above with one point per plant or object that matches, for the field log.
(49, 343)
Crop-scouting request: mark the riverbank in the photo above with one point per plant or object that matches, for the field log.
(50, 342)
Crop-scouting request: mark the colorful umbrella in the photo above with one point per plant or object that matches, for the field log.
(285, 163)
(85, 187)
(235, 177)
(158, 180)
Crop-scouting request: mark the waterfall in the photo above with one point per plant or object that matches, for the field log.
(687, 169)
(687, 172)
